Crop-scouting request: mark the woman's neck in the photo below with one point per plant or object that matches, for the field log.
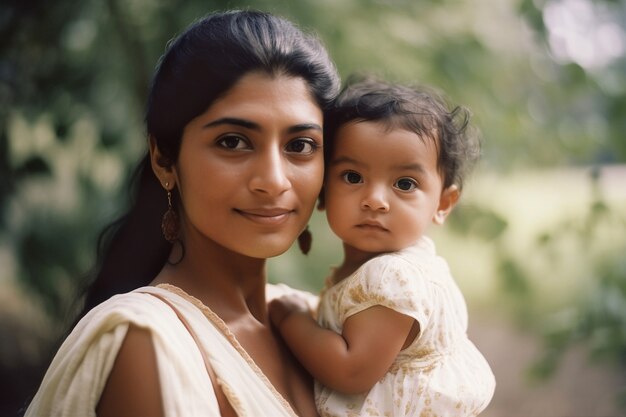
(229, 283)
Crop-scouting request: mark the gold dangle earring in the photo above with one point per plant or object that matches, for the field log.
(304, 240)
(170, 226)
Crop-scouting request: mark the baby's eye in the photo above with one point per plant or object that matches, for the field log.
(406, 184)
(352, 177)
(233, 142)
(301, 146)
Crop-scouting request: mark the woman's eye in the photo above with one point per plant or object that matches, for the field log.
(406, 184)
(301, 146)
(352, 177)
(233, 142)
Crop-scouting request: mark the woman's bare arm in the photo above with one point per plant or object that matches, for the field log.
(353, 361)
(133, 387)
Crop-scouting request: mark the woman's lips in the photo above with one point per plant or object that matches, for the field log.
(266, 216)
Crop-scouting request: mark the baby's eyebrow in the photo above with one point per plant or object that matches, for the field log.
(404, 167)
(345, 160)
(411, 167)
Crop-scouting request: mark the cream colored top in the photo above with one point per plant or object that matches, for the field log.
(441, 373)
(77, 375)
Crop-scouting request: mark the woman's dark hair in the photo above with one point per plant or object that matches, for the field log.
(198, 67)
(417, 109)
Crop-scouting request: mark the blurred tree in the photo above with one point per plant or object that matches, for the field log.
(598, 318)
(587, 41)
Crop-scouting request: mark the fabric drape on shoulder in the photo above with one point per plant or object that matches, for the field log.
(77, 375)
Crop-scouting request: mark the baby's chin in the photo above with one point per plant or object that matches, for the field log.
(376, 247)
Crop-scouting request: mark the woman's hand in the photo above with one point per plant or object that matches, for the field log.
(282, 307)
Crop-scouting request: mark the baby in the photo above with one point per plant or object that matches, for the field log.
(391, 336)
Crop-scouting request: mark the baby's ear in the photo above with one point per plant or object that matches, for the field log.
(447, 201)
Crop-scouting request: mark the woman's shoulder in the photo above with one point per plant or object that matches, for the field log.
(81, 367)
(82, 364)
(137, 307)
(142, 308)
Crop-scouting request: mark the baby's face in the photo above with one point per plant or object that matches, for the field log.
(382, 187)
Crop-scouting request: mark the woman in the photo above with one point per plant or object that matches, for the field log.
(235, 166)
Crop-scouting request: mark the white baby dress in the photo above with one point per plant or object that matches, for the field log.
(441, 373)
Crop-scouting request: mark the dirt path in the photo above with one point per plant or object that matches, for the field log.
(578, 389)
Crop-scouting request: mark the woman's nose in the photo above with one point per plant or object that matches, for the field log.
(375, 199)
(270, 174)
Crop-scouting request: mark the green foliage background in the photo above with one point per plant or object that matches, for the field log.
(73, 82)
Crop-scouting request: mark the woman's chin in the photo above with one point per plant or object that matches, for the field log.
(265, 249)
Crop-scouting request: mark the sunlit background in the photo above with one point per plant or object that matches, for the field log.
(538, 244)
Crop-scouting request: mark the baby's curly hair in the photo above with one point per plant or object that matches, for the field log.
(421, 110)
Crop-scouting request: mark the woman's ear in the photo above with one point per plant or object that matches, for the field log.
(161, 166)
(447, 201)
(321, 200)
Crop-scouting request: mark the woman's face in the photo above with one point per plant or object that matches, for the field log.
(250, 168)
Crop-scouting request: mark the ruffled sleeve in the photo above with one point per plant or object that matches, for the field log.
(392, 282)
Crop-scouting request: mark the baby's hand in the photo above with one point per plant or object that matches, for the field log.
(282, 307)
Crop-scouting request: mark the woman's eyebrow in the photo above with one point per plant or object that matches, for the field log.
(304, 126)
(247, 124)
(233, 121)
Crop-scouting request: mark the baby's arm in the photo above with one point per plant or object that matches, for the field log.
(351, 362)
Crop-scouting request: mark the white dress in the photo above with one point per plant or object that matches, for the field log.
(74, 381)
(441, 373)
